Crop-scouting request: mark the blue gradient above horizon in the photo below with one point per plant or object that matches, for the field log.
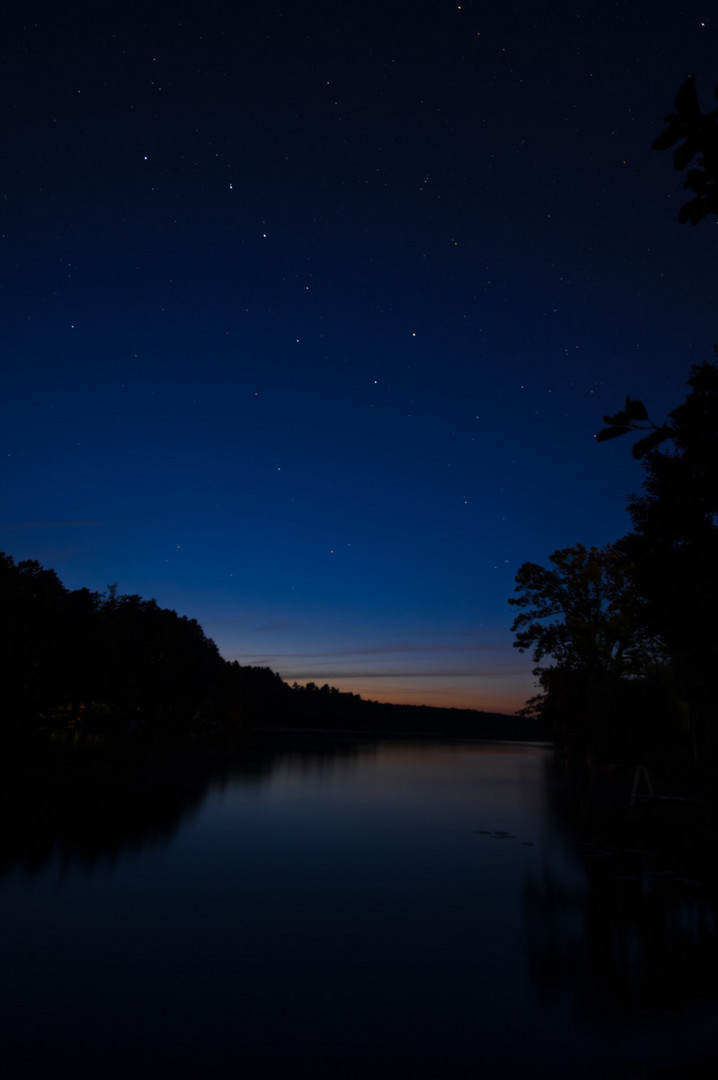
(309, 318)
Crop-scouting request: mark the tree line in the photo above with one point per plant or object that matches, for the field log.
(625, 637)
(110, 663)
(113, 662)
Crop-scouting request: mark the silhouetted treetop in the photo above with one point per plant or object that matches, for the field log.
(674, 544)
(633, 417)
(591, 603)
(78, 653)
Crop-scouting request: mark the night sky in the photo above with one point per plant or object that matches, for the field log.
(311, 311)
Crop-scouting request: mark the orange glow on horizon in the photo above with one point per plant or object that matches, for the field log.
(500, 699)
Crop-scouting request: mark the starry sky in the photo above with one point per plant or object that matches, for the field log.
(311, 311)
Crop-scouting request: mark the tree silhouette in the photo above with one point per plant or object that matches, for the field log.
(31, 622)
(590, 598)
(673, 549)
(633, 417)
(124, 660)
(583, 613)
(159, 668)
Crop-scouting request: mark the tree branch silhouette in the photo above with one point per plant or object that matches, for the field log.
(696, 133)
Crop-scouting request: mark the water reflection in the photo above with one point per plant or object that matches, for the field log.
(350, 909)
(89, 802)
(623, 912)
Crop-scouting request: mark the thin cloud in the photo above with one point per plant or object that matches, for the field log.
(79, 523)
(385, 650)
(399, 674)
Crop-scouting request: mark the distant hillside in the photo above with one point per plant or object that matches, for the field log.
(328, 708)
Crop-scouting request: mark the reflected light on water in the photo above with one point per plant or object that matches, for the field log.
(370, 910)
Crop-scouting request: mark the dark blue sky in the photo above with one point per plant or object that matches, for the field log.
(311, 311)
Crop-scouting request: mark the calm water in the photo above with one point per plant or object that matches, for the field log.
(382, 910)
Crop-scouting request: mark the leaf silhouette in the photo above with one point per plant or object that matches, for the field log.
(620, 418)
(687, 99)
(667, 138)
(694, 211)
(612, 432)
(644, 446)
(687, 152)
(636, 410)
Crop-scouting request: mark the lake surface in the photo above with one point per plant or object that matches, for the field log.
(390, 909)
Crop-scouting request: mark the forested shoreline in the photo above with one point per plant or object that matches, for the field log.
(106, 663)
(624, 635)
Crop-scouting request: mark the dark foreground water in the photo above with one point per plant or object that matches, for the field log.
(370, 911)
